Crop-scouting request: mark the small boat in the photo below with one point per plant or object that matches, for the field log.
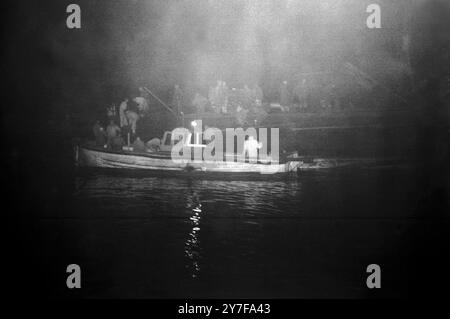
(91, 156)
(159, 159)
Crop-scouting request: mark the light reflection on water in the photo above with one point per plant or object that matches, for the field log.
(251, 197)
(192, 245)
(186, 199)
(187, 235)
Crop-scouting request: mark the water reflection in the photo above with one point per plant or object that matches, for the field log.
(175, 208)
(154, 197)
(181, 237)
(192, 246)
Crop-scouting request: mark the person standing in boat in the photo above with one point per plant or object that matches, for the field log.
(142, 105)
(112, 132)
(132, 118)
(122, 109)
(143, 101)
(251, 146)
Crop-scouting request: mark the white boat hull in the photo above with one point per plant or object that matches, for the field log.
(93, 157)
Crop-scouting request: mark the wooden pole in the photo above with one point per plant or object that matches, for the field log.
(162, 103)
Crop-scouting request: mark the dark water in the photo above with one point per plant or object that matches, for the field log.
(306, 237)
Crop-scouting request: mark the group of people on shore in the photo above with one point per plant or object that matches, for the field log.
(305, 96)
(290, 97)
(222, 99)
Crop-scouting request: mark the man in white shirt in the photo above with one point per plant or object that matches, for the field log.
(251, 146)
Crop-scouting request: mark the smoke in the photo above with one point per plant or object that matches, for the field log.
(196, 42)
(127, 44)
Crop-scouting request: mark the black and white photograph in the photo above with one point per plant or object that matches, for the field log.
(226, 155)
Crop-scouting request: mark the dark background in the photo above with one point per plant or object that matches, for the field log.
(56, 80)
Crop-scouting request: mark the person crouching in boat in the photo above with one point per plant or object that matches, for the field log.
(114, 140)
(138, 145)
(251, 146)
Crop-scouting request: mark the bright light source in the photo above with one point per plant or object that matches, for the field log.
(194, 123)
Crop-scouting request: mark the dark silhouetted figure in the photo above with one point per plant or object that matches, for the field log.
(138, 145)
(99, 134)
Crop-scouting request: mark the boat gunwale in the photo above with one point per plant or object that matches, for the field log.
(163, 155)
